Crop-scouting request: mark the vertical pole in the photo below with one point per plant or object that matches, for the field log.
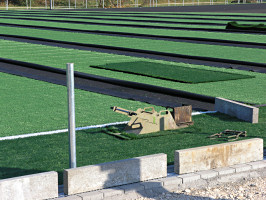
(6, 4)
(46, 4)
(71, 115)
(69, 4)
(53, 4)
(86, 3)
(27, 4)
(103, 3)
(30, 4)
(75, 4)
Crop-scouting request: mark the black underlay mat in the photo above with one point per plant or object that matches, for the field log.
(160, 98)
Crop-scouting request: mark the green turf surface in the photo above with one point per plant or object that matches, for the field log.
(110, 22)
(147, 31)
(164, 46)
(30, 106)
(247, 90)
(172, 73)
(47, 153)
(102, 19)
(143, 15)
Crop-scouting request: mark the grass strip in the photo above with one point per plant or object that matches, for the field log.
(47, 153)
(172, 73)
(183, 48)
(247, 90)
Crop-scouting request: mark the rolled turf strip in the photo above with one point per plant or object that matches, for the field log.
(236, 26)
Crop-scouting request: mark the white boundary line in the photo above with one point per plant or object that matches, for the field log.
(78, 129)
(59, 131)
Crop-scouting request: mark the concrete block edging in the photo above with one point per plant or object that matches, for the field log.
(111, 174)
(218, 156)
(30, 187)
(175, 182)
(236, 109)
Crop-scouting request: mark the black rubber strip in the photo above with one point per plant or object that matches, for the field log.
(155, 52)
(129, 84)
(140, 26)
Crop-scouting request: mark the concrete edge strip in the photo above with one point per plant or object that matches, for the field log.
(174, 182)
(78, 128)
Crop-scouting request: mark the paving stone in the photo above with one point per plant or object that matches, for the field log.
(72, 197)
(132, 187)
(225, 171)
(112, 192)
(174, 180)
(258, 164)
(95, 195)
(152, 184)
(241, 167)
(207, 174)
(186, 178)
(233, 177)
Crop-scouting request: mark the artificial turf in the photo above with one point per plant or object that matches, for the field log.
(30, 106)
(247, 90)
(146, 31)
(161, 46)
(47, 153)
(172, 73)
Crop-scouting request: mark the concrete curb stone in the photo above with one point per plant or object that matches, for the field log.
(176, 182)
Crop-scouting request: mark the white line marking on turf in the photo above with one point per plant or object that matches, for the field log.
(78, 129)
(59, 131)
(199, 113)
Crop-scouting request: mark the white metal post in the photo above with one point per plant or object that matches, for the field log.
(71, 115)
(6, 4)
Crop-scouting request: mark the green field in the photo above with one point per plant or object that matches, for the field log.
(29, 106)
(146, 31)
(47, 153)
(242, 90)
(183, 48)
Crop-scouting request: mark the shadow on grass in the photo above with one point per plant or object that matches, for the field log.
(8, 172)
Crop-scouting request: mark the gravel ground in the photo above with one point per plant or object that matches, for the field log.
(248, 189)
